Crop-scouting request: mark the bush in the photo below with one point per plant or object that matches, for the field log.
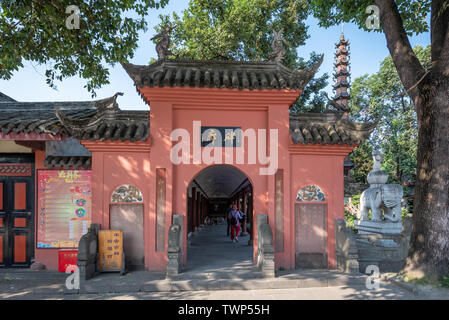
(351, 209)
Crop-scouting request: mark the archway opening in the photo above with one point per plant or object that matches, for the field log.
(209, 196)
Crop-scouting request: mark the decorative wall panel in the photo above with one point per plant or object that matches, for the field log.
(310, 193)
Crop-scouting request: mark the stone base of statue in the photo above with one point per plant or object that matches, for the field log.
(378, 227)
(382, 246)
(357, 251)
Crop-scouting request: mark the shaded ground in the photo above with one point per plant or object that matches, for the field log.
(212, 255)
(52, 291)
(214, 266)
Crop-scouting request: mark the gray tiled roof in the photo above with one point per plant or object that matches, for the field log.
(328, 128)
(67, 162)
(5, 98)
(60, 117)
(108, 122)
(220, 74)
(39, 117)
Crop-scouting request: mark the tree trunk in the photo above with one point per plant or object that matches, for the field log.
(429, 243)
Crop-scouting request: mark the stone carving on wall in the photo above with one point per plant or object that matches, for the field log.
(127, 194)
(310, 193)
(384, 201)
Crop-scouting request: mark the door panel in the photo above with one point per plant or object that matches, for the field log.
(1, 196)
(311, 235)
(16, 216)
(20, 249)
(20, 196)
(1, 250)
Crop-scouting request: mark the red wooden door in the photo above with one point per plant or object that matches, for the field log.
(16, 221)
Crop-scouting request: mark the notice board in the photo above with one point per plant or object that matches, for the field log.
(64, 207)
(110, 247)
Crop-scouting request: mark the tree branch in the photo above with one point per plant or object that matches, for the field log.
(407, 64)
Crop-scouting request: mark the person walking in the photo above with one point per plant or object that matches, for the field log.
(236, 216)
(228, 219)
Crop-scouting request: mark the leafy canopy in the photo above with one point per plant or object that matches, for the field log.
(243, 30)
(414, 13)
(36, 31)
(381, 95)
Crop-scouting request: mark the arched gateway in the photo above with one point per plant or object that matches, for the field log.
(207, 114)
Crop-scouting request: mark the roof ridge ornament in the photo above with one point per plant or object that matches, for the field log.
(278, 50)
(341, 108)
(163, 45)
(107, 109)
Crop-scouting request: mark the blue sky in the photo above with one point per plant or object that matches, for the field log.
(368, 49)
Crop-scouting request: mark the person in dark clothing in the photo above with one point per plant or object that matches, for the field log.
(228, 219)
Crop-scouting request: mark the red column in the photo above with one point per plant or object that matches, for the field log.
(194, 209)
(198, 216)
(250, 215)
(244, 209)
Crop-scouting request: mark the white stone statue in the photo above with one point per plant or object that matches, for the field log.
(384, 201)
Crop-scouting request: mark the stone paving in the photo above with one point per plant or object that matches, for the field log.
(216, 269)
(212, 255)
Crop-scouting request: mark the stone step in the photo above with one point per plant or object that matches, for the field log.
(91, 287)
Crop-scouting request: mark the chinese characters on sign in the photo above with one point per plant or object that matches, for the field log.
(221, 136)
(110, 246)
(64, 207)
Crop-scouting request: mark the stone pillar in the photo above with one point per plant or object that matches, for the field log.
(175, 245)
(265, 249)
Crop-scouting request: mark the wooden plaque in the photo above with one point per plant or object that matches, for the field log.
(110, 247)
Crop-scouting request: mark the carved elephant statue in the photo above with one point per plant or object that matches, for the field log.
(384, 197)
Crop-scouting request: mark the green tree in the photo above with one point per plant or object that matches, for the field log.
(362, 159)
(36, 31)
(428, 89)
(380, 96)
(243, 30)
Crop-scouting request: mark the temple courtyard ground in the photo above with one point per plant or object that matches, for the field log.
(216, 269)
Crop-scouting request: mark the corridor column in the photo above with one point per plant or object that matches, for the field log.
(243, 233)
(194, 209)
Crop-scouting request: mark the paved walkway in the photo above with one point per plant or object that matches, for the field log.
(212, 255)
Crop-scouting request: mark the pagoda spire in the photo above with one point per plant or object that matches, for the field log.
(342, 74)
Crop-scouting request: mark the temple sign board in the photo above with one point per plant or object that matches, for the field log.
(64, 207)
(110, 246)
